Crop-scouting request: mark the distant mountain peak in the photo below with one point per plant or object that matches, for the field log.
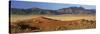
(76, 7)
(35, 8)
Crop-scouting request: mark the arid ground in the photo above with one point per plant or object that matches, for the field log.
(57, 17)
(39, 23)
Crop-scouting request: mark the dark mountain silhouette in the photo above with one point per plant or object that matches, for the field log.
(40, 11)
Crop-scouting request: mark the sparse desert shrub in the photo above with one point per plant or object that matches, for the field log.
(38, 25)
(24, 27)
(84, 21)
(91, 21)
(88, 23)
(62, 28)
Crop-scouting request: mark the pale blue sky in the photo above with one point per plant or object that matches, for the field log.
(53, 6)
(83, 2)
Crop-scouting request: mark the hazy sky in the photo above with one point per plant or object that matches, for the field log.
(83, 2)
(53, 6)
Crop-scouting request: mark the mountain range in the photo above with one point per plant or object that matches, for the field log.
(41, 11)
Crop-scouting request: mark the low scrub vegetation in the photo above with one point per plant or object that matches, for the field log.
(41, 24)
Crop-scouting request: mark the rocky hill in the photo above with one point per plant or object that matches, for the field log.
(40, 11)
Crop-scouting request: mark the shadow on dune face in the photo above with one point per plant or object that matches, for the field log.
(46, 24)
